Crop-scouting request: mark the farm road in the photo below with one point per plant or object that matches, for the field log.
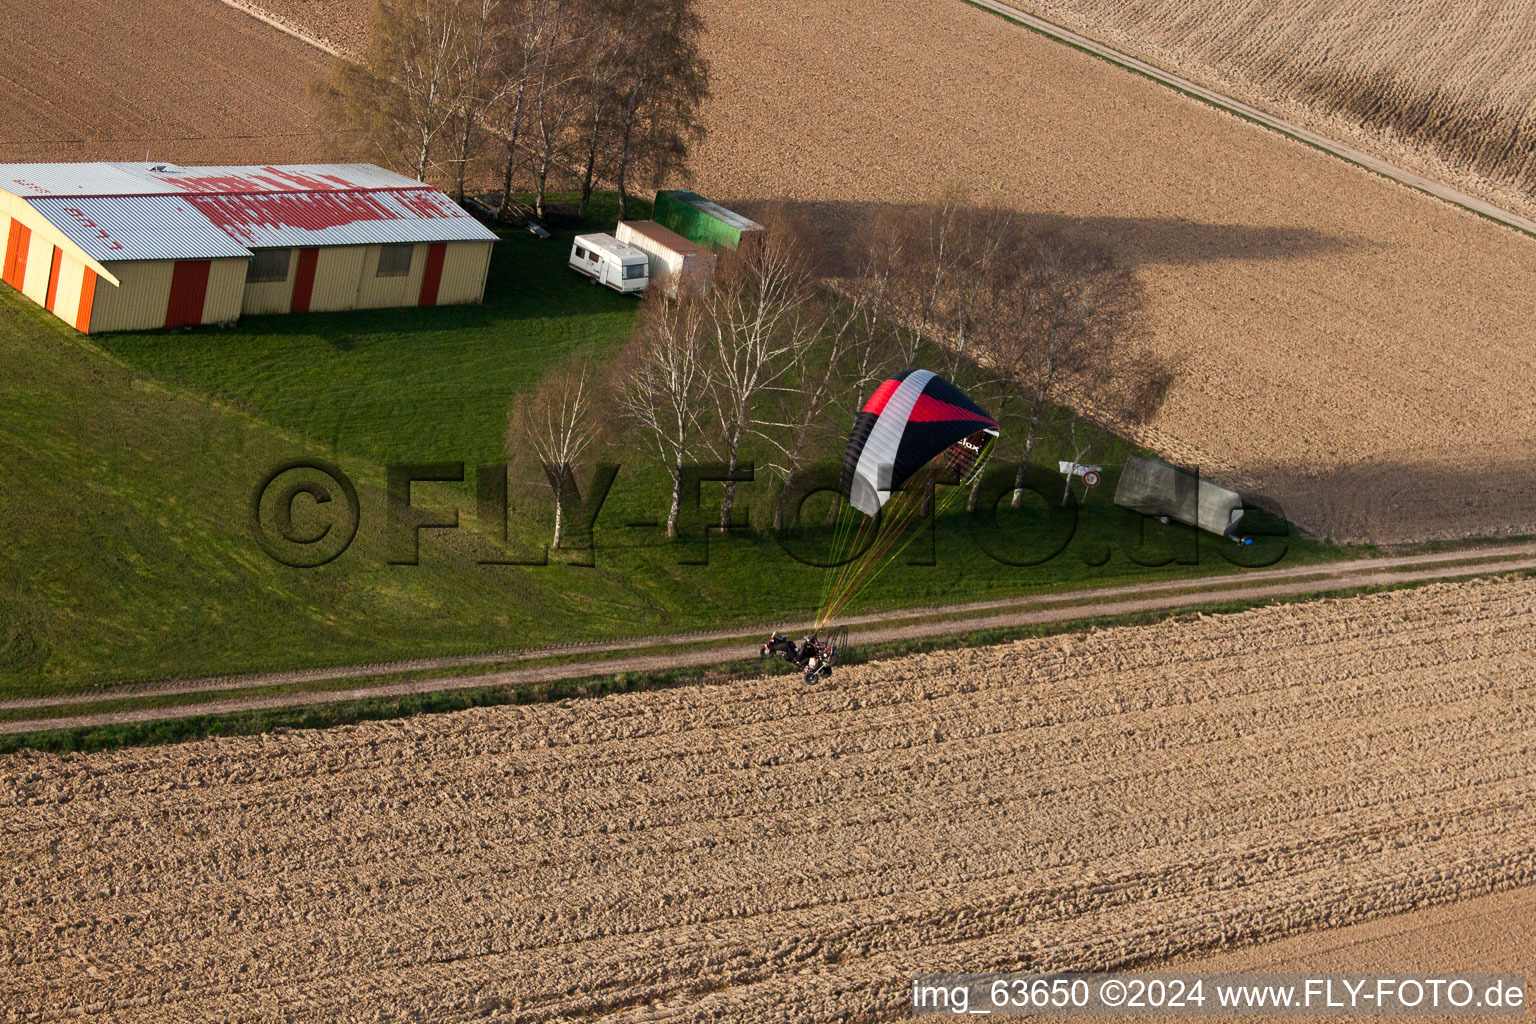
(659, 653)
(1238, 107)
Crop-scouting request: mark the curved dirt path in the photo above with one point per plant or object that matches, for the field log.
(1454, 196)
(870, 629)
(757, 851)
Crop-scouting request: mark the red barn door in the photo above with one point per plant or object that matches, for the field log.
(189, 287)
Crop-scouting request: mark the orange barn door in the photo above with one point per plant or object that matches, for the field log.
(18, 241)
(87, 301)
(189, 287)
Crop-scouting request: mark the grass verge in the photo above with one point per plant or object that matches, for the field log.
(110, 737)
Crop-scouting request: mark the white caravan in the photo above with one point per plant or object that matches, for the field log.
(606, 260)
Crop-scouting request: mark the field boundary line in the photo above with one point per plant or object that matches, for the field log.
(1194, 90)
(885, 632)
(285, 27)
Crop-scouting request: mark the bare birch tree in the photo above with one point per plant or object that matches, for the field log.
(930, 237)
(476, 88)
(554, 96)
(526, 23)
(663, 84)
(445, 88)
(556, 422)
(662, 383)
(404, 92)
(1071, 312)
(839, 346)
(617, 29)
(755, 304)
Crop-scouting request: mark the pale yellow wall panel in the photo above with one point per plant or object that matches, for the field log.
(66, 301)
(410, 294)
(370, 287)
(39, 263)
(338, 270)
(139, 304)
(267, 297)
(464, 266)
(375, 292)
(270, 296)
(226, 290)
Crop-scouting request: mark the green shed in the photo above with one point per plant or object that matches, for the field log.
(699, 220)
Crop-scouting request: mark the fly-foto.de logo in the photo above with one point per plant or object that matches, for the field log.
(307, 513)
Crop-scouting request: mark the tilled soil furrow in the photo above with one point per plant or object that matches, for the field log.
(945, 782)
(754, 851)
(234, 910)
(894, 711)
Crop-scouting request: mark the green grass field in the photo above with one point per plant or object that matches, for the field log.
(127, 465)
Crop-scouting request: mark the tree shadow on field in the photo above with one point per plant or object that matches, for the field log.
(1173, 241)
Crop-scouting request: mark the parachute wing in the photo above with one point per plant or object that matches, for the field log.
(911, 420)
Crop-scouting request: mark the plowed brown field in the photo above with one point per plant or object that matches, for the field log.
(1357, 352)
(759, 851)
(188, 81)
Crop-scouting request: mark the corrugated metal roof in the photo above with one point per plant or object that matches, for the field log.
(159, 211)
(138, 228)
(714, 209)
(666, 237)
(347, 218)
(129, 179)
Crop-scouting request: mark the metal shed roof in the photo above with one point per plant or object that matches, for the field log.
(158, 211)
(340, 218)
(138, 228)
(129, 179)
(717, 211)
(666, 237)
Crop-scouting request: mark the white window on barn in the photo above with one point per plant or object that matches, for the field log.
(395, 260)
(268, 265)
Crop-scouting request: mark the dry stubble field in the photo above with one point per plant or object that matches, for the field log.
(186, 81)
(1446, 88)
(759, 851)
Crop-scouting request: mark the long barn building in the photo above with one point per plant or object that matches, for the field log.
(121, 246)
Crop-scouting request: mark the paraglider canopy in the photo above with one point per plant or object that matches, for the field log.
(912, 419)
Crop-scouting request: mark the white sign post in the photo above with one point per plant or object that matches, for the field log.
(1091, 475)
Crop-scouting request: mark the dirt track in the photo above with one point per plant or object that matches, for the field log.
(221, 694)
(759, 851)
(183, 80)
